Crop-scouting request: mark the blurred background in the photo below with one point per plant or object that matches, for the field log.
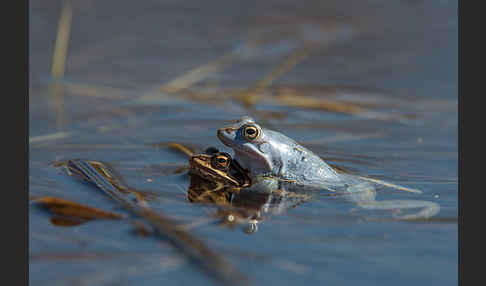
(371, 86)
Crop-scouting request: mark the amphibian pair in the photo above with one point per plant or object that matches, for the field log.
(273, 161)
(218, 179)
(269, 155)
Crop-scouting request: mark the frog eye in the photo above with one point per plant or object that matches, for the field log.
(251, 132)
(221, 162)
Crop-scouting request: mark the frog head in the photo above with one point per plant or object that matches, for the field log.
(253, 145)
(220, 167)
(214, 167)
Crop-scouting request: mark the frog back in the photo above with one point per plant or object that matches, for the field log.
(295, 162)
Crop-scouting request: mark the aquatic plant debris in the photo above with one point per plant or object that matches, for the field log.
(303, 101)
(184, 149)
(250, 95)
(66, 221)
(189, 78)
(59, 62)
(69, 213)
(139, 196)
(214, 264)
(62, 40)
(49, 137)
(142, 229)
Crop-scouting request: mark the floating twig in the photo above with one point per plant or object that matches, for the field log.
(214, 264)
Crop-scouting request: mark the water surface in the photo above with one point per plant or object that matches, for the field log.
(396, 59)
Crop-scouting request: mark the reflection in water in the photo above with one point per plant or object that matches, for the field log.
(246, 207)
(404, 52)
(216, 178)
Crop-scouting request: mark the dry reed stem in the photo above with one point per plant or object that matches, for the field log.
(250, 95)
(62, 40)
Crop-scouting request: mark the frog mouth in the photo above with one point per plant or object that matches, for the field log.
(227, 136)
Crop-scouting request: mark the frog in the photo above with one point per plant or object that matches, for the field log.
(219, 167)
(271, 155)
(214, 177)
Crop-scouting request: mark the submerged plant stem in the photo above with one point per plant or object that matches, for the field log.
(214, 264)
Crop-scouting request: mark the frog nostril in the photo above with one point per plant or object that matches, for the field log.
(228, 130)
(225, 132)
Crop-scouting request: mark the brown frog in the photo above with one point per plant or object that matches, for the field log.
(214, 177)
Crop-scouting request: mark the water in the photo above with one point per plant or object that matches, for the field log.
(399, 59)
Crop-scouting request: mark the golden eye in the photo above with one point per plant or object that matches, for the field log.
(221, 162)
(251, 132)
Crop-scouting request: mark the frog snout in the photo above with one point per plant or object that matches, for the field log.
(220, 133)
(225, 131)
(225, 134)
